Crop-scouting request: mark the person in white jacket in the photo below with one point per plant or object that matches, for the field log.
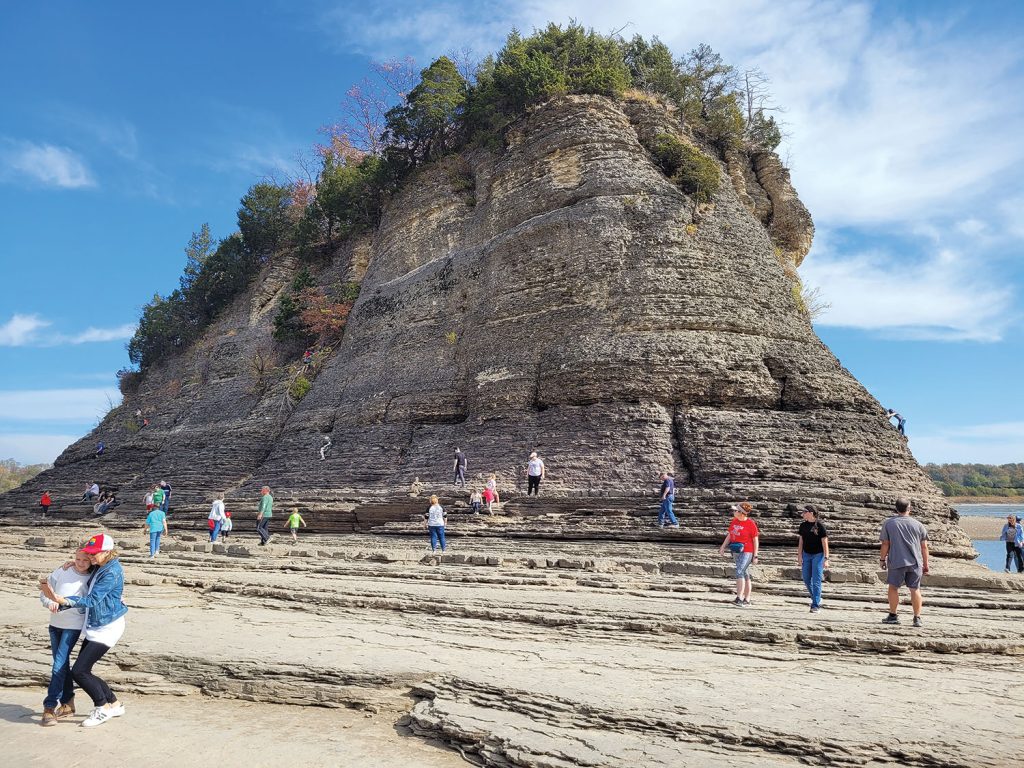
(216, 519)
(65, 628)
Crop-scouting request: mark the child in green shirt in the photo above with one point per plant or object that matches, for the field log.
(294, 519)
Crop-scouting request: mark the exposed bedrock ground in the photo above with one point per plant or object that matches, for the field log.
(532, 654)
(563, 296)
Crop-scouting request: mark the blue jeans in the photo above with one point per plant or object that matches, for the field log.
(62, 687)
(436, 536)
(665, 512)
(215, 531)
(813, 569)
(154, 542)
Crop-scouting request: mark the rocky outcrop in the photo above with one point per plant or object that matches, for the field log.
(560, 296)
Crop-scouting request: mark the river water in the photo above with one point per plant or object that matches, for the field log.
(992, 554)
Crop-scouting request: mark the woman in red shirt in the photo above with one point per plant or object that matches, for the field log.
(45, 502)
(742, 541)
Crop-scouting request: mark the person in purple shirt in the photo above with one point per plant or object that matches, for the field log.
(668, 495)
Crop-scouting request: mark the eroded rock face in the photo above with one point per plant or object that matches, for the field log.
(564, 297)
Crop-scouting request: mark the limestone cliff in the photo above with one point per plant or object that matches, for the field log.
(561, 295)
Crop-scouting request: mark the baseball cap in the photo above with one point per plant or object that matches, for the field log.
(746, 506)
(101, 542)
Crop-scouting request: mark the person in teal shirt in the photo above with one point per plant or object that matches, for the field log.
(156, 525)
(294, 520)
(266, 512)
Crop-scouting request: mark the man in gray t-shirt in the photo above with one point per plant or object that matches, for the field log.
(904, 555)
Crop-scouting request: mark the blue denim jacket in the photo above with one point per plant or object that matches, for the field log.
(104, 598)
(1016, 534)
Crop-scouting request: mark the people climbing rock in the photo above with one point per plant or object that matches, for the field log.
(436, 518)
(812, 554)
(491, 495)
(325, 447)
(307, 357)
(900, 421)
(158, 497)
(904, 555)
(1013, 535)
(475, 501)
(294, 520)
(215, 520)
(156, 527)
(415, 488)
(104, 625)
(45, 501)
(65, 628)
(460, 467)
(535, 472)
(100, 448)
(266, 512)
(166, 488)
(668, 495)
(148, 500)
(743, 541)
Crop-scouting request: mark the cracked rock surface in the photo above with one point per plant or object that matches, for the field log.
(545, 654)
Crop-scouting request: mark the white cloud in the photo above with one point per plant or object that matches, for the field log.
(91, 334)
(944, 296)
(45, 164)
(20, 330)
(24, 330)
(57, 405)
(34, 448)
(999, 443)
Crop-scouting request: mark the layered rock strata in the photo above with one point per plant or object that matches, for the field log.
(561, 296)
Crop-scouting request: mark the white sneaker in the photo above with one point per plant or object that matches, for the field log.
(100, 715)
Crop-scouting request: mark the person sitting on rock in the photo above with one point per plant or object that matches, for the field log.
(1013, 535)
(92, 491)
(100, 448)
(415, 488)
(900, 421)
(307, 357)
(325, 447)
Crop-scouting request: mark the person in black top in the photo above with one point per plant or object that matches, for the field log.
(812, 554)
(460, 467)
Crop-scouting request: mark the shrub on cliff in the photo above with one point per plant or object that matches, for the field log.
(549, 62)
(429, 124)
(694, 172)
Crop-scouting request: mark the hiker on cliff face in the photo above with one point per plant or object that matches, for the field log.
(100, 448)
(743, 541)
(900, 421)
(904, 554)
(812, 554)
(490, 494)
(1013, 535)
(166, 488)
(415, 488)
(668, 495)
(325, 447)
(265, 513)
(535, 472)
(45, 501)
(460, 467)
(158, 497)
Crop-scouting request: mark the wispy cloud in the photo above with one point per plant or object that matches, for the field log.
(944, 295)
(45, 164)
(57, 405)
(20, 330)
(30, 330)
(998, 443)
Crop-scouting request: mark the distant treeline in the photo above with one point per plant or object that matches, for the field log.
(13, 474)
(978, 479)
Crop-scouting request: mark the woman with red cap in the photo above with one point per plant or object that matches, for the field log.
(104, 625)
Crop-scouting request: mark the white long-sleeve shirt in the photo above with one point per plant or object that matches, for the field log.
(217, 510)
(67, 583)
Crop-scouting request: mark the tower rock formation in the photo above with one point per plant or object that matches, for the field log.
(561, 296)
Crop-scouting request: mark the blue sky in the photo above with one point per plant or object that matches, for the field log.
(125, 126)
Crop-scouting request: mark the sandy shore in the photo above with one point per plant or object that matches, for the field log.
(354, 651)
(982, 528)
